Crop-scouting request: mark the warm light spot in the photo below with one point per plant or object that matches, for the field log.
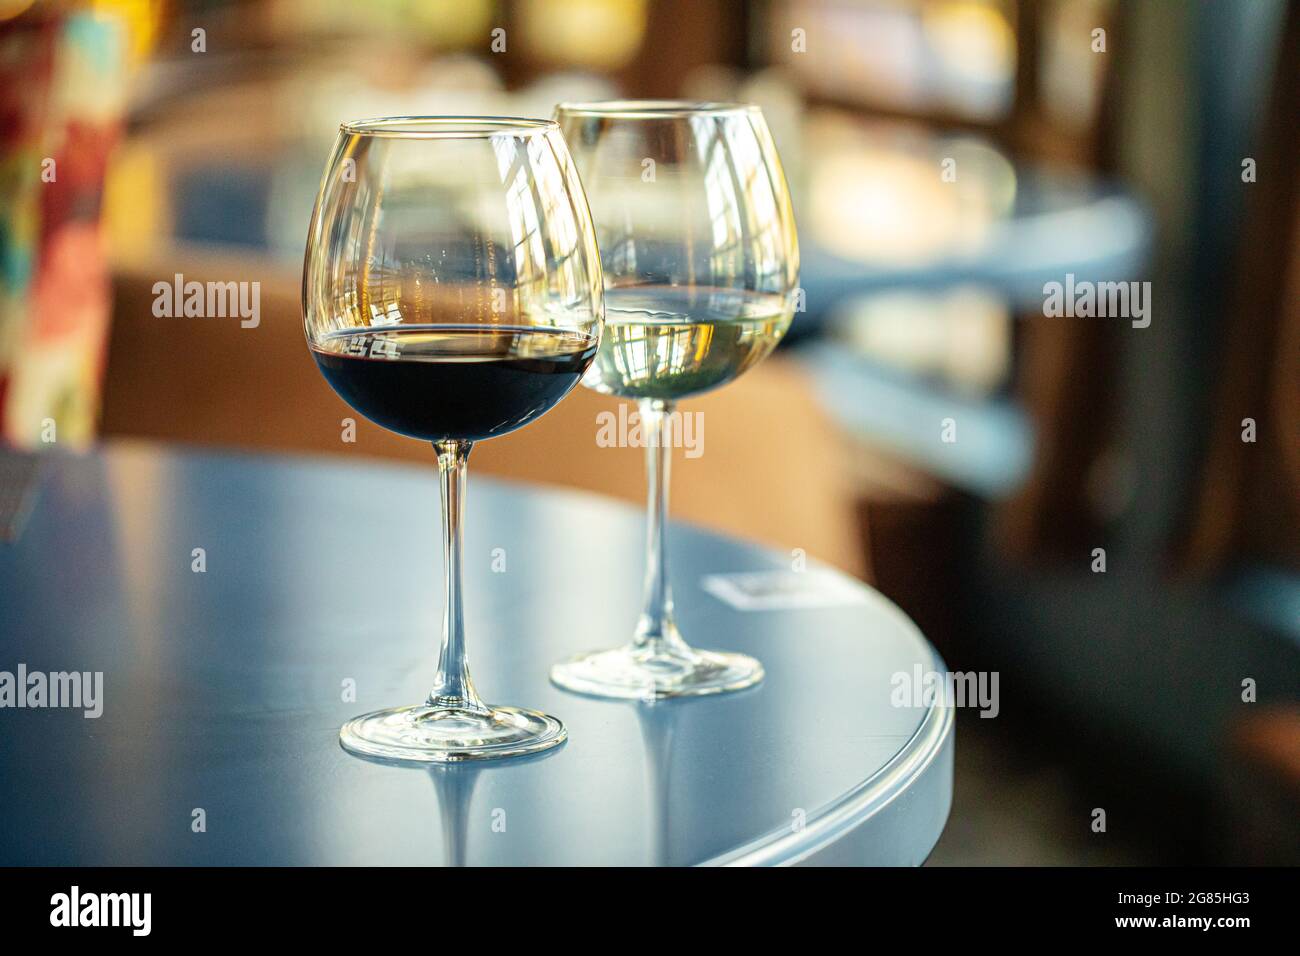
(973, 40)
(600, 34)
(142, 19)
(466, 23)
(882, 207)
(11, 8)
(135, 216)
(876, 192)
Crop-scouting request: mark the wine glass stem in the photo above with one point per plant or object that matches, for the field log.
(452, 687)
(657, 631)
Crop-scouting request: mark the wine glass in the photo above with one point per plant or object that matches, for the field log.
(452, 293)
(701, 265)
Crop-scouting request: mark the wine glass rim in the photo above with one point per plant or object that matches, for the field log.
(654, 109)
(447, 127)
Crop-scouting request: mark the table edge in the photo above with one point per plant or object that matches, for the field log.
(785, 846)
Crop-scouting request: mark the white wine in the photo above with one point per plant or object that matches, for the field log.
(665, 342)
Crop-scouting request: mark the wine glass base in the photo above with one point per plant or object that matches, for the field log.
(633, 673)
(426, 734)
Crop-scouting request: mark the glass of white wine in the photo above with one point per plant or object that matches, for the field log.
(701, 267)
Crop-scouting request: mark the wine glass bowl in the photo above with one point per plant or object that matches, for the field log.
(451, 258)
(452, 293)
(701, 265)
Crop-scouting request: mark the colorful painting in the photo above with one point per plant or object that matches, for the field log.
(62, 94)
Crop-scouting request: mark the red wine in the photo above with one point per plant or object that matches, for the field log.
(442, 382)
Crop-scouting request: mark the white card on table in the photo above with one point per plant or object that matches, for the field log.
(780, 590)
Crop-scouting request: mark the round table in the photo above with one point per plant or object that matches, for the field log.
(319, 597)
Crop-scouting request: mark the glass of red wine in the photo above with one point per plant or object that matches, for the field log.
(452, 292)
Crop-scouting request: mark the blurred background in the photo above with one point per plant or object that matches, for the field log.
(948, 158)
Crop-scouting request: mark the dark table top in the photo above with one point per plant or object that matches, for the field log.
(223, 691)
